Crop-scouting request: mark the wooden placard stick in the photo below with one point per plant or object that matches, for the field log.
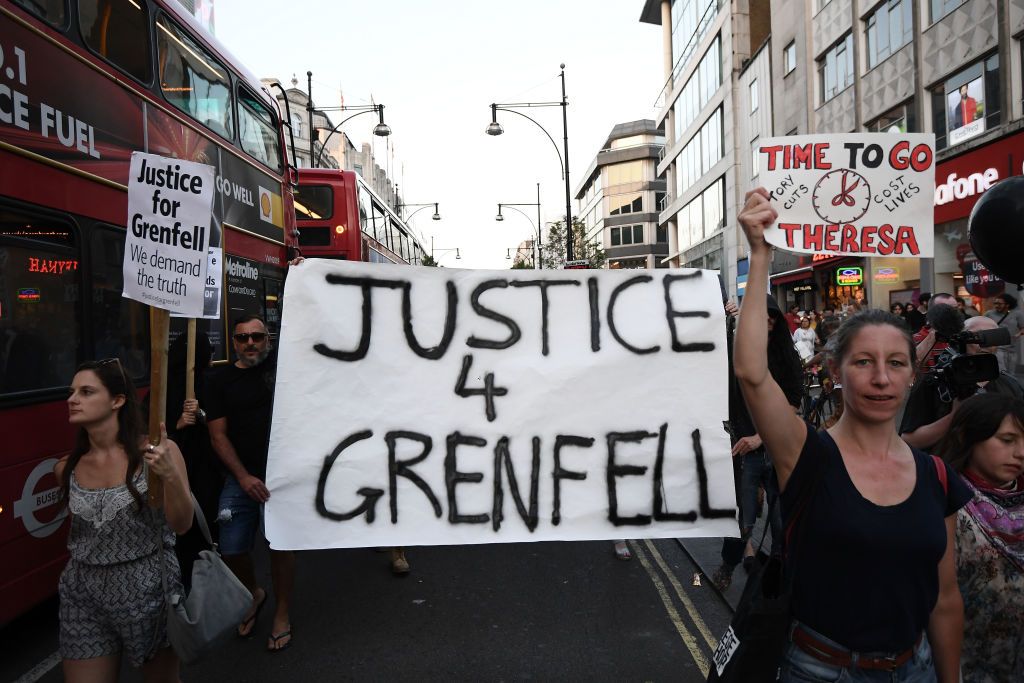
(159, 328)
(190, 361)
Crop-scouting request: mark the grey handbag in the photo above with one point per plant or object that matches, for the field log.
(213, 608)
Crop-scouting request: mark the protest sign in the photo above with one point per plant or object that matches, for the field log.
(422, 406)
(864, 194)
(169, 213)
(214, 284)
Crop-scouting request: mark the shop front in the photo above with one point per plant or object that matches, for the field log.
(960, 182)
(818, 281)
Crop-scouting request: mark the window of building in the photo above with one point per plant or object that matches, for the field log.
(192, 80)
(691, 20)
(630, 141)
(755, 157)
(660, 201)
(789, 57)
(623, 204)
(967, 104)
(701, 87)
(296, 122)
(257, 130)
(661, 234)
(626, 172)
(623, 235)
(701, 153)
(889, 28)
(835, 69)
(119, 33)
(898, 120)
(703, 216)
(941, 8)
(753, 96)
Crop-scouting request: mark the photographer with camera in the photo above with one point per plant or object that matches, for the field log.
(967, 366)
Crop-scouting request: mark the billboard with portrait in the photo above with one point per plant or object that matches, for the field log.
(965, 105)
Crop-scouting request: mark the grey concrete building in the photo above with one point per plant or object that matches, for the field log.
(619, 198)
(704, 44)
(948, 67)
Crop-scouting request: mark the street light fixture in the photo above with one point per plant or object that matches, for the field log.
(439, 250)
(494, 128)
(403, 206)
(513, 206)
(381, 129)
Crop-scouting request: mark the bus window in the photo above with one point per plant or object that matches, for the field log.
(379, 224)
(118, 31)
(257, 130)
(120, 326)
(52, 12)
(403, 245)
(314, 202)
(192, 80)
(40, 316)
(364, 208)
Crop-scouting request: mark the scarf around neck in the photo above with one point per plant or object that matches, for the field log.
(1000, 514)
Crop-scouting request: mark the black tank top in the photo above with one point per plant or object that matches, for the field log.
(865, 575)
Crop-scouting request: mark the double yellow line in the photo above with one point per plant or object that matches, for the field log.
(649, 556)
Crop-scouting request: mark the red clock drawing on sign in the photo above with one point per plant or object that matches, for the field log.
(841, 196)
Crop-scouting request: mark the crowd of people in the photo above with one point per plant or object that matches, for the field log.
(907, 562)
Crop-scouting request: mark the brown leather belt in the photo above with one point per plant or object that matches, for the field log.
(833, 656)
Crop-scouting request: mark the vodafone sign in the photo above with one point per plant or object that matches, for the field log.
(960, 181)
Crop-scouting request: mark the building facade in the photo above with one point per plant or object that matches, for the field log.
(792, 67)
(619, 198)
(704, 44)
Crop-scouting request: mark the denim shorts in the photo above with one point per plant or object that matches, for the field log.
(799, 666)
(239, 517)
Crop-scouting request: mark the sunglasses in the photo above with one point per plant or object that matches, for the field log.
(243, 337)
(116, 361)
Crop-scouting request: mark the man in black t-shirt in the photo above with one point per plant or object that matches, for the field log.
(239, 408)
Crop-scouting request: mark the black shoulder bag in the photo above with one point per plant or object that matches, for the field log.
(752, 648)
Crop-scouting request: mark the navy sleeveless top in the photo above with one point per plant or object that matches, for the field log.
(865, 575)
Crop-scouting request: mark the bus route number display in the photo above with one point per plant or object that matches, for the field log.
(864, 194)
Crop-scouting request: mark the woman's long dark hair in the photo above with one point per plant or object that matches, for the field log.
(115, 379)
(783, 361)
(976, 420)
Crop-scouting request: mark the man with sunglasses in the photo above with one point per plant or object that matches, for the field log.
(239, 408)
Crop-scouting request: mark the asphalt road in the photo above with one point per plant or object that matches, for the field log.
(523, 612)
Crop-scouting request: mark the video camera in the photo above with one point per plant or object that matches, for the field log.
(956, 374)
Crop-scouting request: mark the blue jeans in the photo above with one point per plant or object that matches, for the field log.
(799, 666)
(757, 472)
(239, 518)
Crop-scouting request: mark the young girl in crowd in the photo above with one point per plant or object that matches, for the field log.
(985, 444)
(871, 555)
(111, 592)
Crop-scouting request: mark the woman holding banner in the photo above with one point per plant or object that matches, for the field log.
(111, 592)
(870, 521)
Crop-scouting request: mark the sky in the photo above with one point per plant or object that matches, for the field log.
(437, 66)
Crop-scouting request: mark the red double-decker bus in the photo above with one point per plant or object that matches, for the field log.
(340, 217)
(83, 84)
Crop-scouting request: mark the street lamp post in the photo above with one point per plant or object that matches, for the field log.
(512, 206)
(494, 128)
(381, 129)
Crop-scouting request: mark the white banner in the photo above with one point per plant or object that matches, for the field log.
(170, 205)
(865, 194)
(424, 406)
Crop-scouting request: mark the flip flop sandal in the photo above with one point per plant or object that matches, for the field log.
(251, 621)
(622, 551)
(274, 639)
